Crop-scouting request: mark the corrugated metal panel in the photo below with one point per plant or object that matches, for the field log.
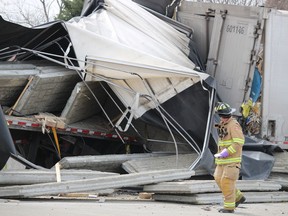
(232, 39)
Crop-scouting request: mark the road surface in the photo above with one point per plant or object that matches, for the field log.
(101, 207)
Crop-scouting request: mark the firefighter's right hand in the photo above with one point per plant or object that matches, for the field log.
(223, 154)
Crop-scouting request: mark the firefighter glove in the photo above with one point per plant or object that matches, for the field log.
(223, 154)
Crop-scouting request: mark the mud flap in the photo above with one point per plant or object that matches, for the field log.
(6, 143)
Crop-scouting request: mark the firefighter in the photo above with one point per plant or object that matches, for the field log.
(228, 157)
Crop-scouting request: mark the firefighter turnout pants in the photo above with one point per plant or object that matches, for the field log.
(226, 176)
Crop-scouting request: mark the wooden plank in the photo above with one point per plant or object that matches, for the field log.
(21, 95)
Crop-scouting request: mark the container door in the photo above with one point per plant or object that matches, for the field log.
(275, 88)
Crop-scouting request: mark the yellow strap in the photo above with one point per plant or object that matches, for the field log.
(56, 141)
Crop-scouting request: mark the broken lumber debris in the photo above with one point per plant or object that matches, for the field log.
(50, 120)
(85, 195)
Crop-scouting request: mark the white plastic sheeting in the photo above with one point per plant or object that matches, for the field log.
(123, 43)
(124, 32)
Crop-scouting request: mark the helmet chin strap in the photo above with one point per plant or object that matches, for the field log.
(225, 118)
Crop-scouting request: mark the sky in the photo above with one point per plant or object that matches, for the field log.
(12, 10)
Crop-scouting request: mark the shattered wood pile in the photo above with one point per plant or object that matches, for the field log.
(159, 175)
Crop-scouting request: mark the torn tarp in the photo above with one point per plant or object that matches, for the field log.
(7, 146)
(256, 165)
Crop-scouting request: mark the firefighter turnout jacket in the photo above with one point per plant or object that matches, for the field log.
(230, 137)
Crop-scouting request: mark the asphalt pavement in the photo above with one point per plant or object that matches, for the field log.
(102, 207)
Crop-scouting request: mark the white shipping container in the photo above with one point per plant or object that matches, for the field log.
(229, 39)
(275, 88)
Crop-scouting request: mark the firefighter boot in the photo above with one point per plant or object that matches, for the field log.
(223, 210)
(242, 200)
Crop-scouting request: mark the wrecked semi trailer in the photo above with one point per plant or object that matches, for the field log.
(245, 49)
(140, 81)
(165, 101)
(52, 114)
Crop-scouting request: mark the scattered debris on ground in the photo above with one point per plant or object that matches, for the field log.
(171, 185)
